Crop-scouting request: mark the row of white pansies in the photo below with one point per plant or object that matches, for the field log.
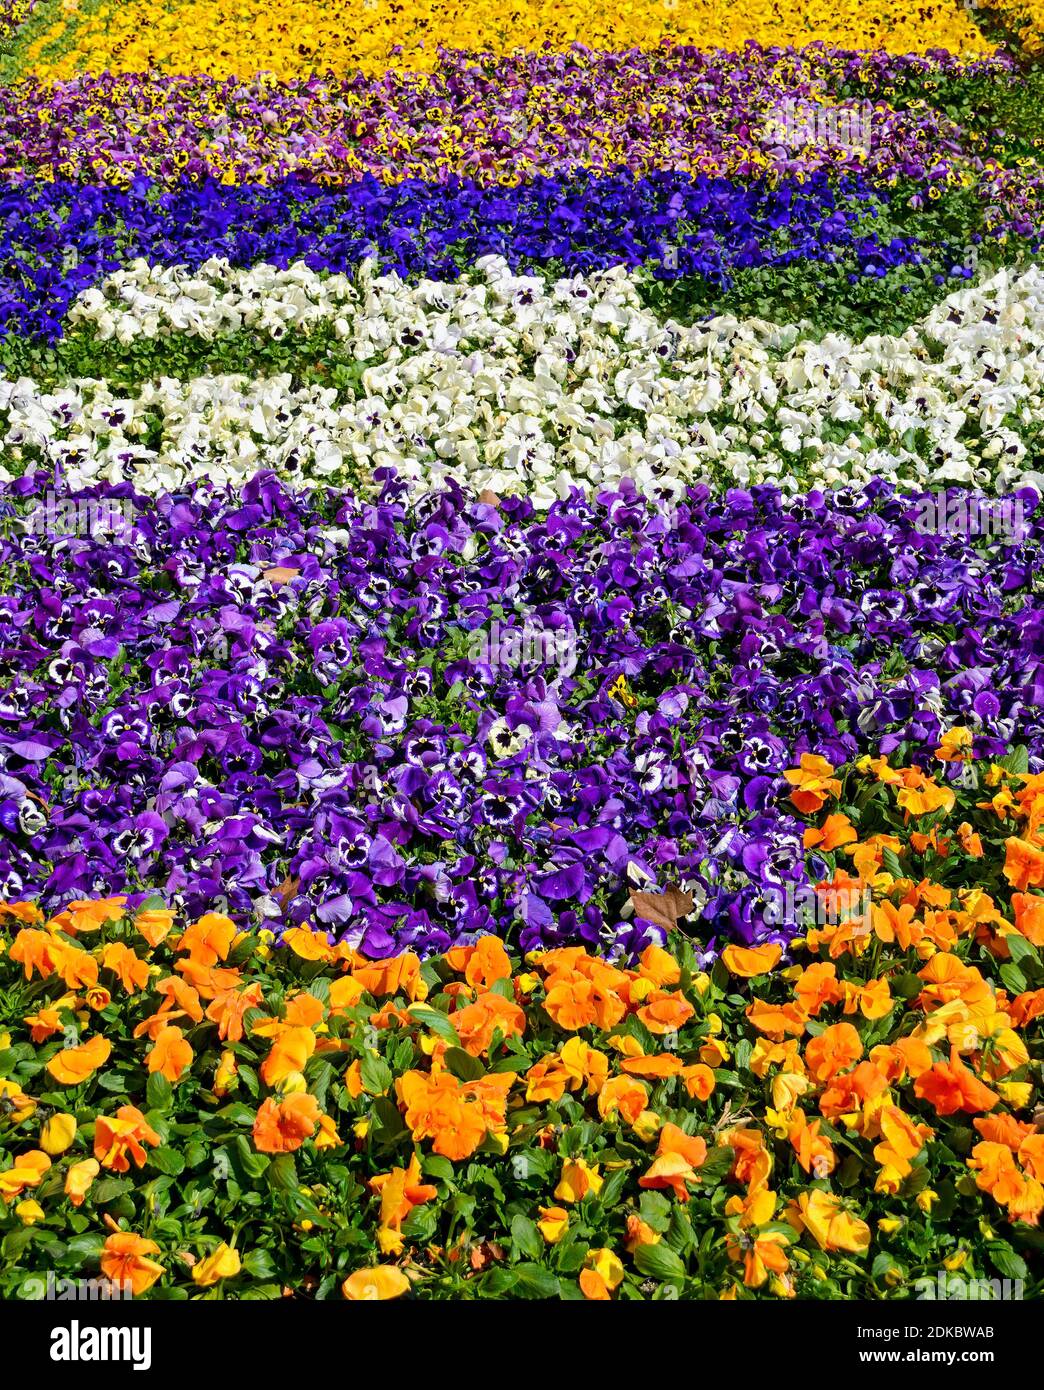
(153, 301)
(512, 384)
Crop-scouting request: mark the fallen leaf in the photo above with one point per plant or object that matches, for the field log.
(662, 909)
(286, 890)
(485, 1254)
(281, 574)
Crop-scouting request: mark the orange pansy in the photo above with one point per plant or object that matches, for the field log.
(75, 1064)
(476, 1023)
(289, 1053)
(749, 961)
(667, 1014)
(170, 1055)
(950, 1086)
(281, 1127)
(123, 1137)
(813, 782)
(125, 1260)
(835, 1049)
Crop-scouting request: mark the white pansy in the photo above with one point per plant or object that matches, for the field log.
(506, 382)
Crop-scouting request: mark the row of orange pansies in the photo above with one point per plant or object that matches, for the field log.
(640, 1047)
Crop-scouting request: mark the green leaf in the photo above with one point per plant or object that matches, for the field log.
(158, 1093)
(195, 1153)
(15, 1242)
(113, 1081)
(248, 1076)
(890, 862)
(253, 1164)
(525, 1237)
(482, 1174)
(463, 1066)
(83, 1249)
(421, 1224)
(236, 1114)
(320, 988)
(109, 1188)
(321, 1074)
(1012, 977)
(917, 1181)
(659, 1262)
(883, 1264)
(1020, 949)
(570, 1255)
(1004, 1259)
(437, 1167)
(376, 1074)
(499, 1282)
(514, 1062)
(728, 1079)
(655, 1211)
(536, 1282)
(390, 1122)
(437, 1022)
(613, 1187)
(462, 1204)
(680, 1235)
(1017, 760)
(281, 1175)
(529, 1164)
(716, 1165)
(259, 1264)
(907, 985)
(850, 1171)
(167, 1161)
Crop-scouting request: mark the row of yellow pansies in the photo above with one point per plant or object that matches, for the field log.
(293, 37)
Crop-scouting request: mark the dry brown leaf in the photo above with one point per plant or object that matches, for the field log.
(485, 1254)
(286, 890)
(281, 574)
(662, 909)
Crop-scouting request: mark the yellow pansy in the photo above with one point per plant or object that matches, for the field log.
(222, 1263)
(57, 1134)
